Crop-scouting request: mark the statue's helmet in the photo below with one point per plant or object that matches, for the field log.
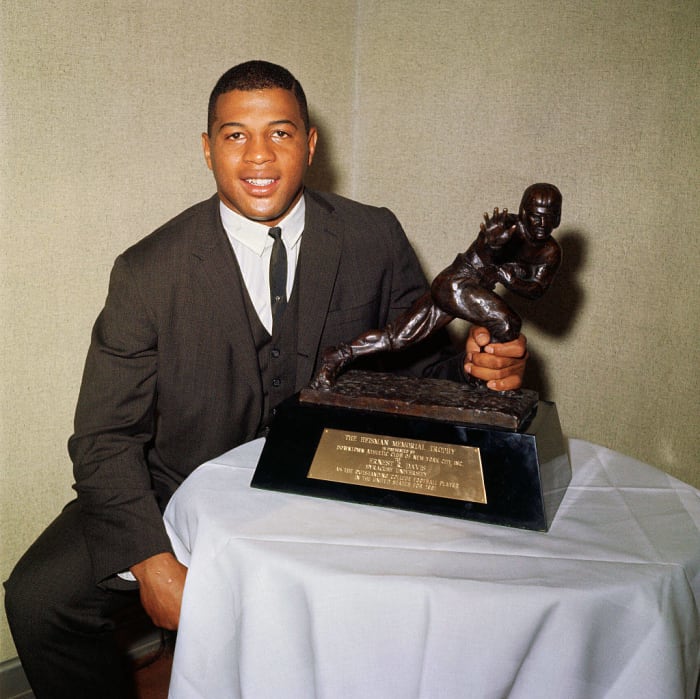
(541, 196)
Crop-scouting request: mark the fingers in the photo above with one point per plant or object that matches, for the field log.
(499, 373)
(478, 337)
(514, 348)
(495, 216)
(489, 368)
(510, 383)
(479, 340)
(500, 364)
(495, 362)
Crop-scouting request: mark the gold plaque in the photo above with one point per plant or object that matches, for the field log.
(398, 463)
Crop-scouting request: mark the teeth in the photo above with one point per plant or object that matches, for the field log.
(259, 183)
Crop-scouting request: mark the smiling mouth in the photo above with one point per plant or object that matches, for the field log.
(259, 182)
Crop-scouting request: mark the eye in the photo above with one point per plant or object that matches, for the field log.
(234, 136)
(280, 133)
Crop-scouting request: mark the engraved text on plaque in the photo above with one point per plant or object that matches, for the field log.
(396, 463)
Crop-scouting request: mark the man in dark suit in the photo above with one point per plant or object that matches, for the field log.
(186, 362)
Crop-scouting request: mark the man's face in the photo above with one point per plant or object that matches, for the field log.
(540, 221)
(259, 152)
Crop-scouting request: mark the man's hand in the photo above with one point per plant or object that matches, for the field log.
(501, 364)
(161, 582)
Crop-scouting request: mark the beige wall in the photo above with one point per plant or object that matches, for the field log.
(437, 110)
(462, 108)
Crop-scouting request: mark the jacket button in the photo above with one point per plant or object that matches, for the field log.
(275, 353)
(276, 382)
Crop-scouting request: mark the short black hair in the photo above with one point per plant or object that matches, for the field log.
(257, 75)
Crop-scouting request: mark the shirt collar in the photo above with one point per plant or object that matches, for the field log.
(254, 235)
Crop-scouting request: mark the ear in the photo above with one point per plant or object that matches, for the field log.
(206, 147)
(311, 141)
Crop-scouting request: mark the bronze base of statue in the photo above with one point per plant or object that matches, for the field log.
(431, 398)
(380, 455)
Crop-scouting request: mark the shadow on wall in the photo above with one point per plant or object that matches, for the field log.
(322, 174)
(556, 312)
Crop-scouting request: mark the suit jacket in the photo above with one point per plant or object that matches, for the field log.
(172, 378)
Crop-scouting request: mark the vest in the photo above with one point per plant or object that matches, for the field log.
(277, 356)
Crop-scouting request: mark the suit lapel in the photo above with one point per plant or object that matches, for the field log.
(219, 272)
(317, 271)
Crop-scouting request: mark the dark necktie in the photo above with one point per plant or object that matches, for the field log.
(278, 276)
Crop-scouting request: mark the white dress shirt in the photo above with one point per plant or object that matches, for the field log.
(253, 246)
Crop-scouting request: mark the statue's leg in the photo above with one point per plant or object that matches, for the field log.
(334, 359)
(481, 307)
(502, 322)
(416, 324)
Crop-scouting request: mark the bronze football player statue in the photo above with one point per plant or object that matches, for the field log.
(517, 251)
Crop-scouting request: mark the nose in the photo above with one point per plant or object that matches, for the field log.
(258, 151)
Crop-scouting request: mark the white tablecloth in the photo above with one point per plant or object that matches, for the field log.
(289, 596)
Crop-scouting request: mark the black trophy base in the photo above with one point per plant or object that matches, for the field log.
(525, 472)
